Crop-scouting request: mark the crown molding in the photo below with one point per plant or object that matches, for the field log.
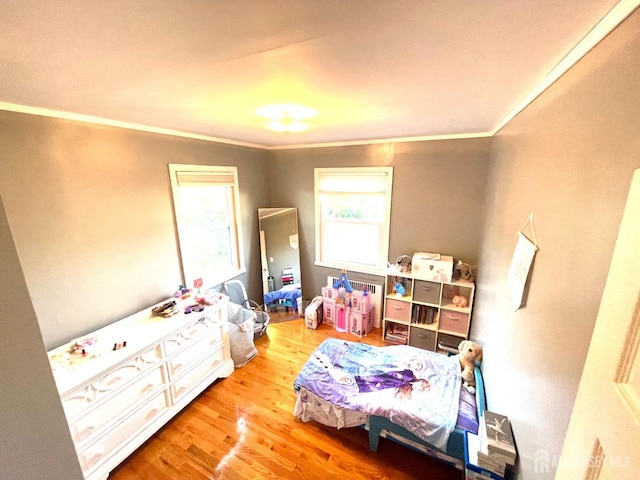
(425, 138)
(78, 117)
(604, 27)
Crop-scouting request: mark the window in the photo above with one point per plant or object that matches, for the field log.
(207, 213)
(353, 209)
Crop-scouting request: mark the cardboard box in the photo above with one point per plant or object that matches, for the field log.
(432, 266)
(471, 469)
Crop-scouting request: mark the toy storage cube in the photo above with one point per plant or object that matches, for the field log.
(456, 322)
(398, 310)
(328, 311)
(426, 292)
(421, 338)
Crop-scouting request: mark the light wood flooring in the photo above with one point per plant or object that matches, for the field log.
(243, 427)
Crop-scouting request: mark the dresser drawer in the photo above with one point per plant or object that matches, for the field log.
(191, 355)
(421, 338)
(449, 341)
(94, 453)
(398, 310)
(94, 420)
(191, 334)
(80, 400)
(457, 322)
(426, 292)
(194, 376)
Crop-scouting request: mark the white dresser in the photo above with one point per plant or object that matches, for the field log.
(115, 400)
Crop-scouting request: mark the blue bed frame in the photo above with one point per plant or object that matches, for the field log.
(279, 298)
(382, 427)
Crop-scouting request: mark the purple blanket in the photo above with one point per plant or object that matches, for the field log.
(414, 388)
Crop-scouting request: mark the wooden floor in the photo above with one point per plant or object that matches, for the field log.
(243, 427)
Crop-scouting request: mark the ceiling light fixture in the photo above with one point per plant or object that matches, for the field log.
(286, 118)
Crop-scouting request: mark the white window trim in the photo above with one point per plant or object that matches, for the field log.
(384, 251)
(218, 277)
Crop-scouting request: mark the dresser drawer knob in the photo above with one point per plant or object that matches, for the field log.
(147, 388)
(151, 414)
(113, 381)
(177, 367)
(85, 432)
(96, 456)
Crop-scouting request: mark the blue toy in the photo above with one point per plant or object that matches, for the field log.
(398, 288)
(343, 282)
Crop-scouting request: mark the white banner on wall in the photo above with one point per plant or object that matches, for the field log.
(519, 270)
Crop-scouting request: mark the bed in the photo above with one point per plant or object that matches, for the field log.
(412, 396)
(287, 296)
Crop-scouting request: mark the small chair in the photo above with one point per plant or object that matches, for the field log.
(234, 289)
(237, 294)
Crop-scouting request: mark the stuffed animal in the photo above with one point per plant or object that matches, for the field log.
(469, 353)
(459, 301)
(465, 271)
(403, 263)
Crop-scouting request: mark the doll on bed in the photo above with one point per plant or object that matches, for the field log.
(404, 381)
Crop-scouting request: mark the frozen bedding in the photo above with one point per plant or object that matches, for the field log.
(343, 383)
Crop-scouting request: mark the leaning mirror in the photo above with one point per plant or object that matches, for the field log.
(280, 257)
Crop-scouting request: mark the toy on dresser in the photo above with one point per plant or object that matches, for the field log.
(84, 346)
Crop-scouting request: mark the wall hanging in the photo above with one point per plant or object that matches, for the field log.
(521, 262)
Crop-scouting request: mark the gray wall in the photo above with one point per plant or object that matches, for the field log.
(35, 438)
(568, 159)
(437, 204)
(90, 209)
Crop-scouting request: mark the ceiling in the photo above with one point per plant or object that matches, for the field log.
(371, 69)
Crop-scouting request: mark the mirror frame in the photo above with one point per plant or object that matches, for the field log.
(279, 245)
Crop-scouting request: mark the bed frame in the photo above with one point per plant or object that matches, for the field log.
(279, 298)
(454, 455)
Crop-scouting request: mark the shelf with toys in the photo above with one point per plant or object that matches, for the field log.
(425, 306)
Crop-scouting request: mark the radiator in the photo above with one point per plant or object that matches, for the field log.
(374, 290)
